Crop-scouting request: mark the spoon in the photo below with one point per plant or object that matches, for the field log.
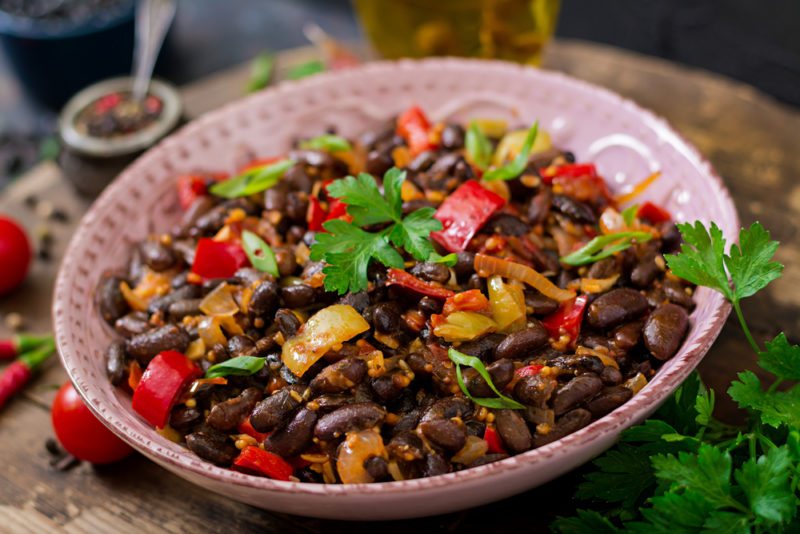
(153, 18)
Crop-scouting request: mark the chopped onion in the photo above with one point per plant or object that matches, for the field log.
(598, 285)
(507, 304)
(489, 265)
(219, 303)
(473, 449)
(210, 332)
(464, 326)
(356, 449)
(636, 383)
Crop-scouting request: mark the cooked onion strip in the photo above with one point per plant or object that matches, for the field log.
(638, 189)
(488, 265)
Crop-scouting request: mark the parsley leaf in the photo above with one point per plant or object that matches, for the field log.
(624, 475)
(781, 359)
(701, 258)
(750, 265)
(364, 200)
(586, 522)
(515, 167)
(329, 142)
(773, 407)
(707, 473)
(412, 234)
(767, 486)
(479, 148)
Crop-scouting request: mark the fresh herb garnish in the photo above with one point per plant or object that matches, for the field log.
(684, 471)
(239, 366)
(348, 249)
(604, 246)
(629, 214)
(260, 72)
(329, 142)
(252, 180)
(449, 259)
(303, 70)
(259, 253)
(501, 402)
(515, 167)
(479, 148)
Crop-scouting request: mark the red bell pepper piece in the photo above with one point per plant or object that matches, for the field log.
(260, 162)
(315, 215)
(415, 128)
(567, 319)
(218, 259)
(401, 278)
(106, 103)
(165, 378)
(463, 213)
(529, 370)
(190, 188)
(653, 213)
(247, 428)
(493, 440)
(337, 210)
(570, 170)
(472, 300)
(253, 459)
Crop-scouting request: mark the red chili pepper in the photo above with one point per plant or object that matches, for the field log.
(403, 279)
(567, 319)
(165, 378)
(570, 170)
(315, 215)
(415, 128)
(493, 440)
(20, 371)
(297, 462)
(463, 213)
(529, 370)
(653, 213)
(260, 162)
(253, 459)
(190, 188)
(19, 344)
(217, 259)
(247, 428)
(106, 103)
(471, 300)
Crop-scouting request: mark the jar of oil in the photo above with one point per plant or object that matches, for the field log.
(515, 30)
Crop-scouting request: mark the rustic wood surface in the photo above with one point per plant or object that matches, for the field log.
(750, 139)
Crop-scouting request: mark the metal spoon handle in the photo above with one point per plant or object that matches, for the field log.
(153, 18)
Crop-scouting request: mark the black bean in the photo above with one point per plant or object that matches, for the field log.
(298, 296)
(386, 318)
(676, 293)
(517, 345)
(611, 376)
(670, 237)
(348, 418)
(183, 417)
(513, 430)
(210, 222)
(664, 330)
(197, 209)
(386, 389)
(229, 414)
(539, 206)
(423, 161)
(483, 347)
(432, 272)
(645, 271)
(505, 224)
(183, 307)
(413, 205)
(435, 465)
(488, 458)
(115, 362)
(298, 179)
(445, 433)
(265, 300)
(378, 163)
(576, 391)
(616, 307)
(275, 198)
(288, 323)
(463, 171)
(567, 424)
(157, 255)
(111, 302)
(540, 304)
(608, 399)
(430, 306)
(419, 364)
(605, 268)
(285, 260)
(447, 408)
(626, 336)
(465, 266)
(296, 206)
(313, 158)
(217, 450)
(144, 347)
(534, 390)
(339, 376)
(476, 282)
(241, 345)
(359, 301)
(295, 437)
(377, 467)
(162, 303)
(407, 422)
(501, 372)
(131, 324)
(328, 403)
(577, 211)
(453, 136)
(406, 447)
(273, 410)
(289, 377)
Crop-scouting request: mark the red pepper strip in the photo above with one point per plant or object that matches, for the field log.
(315, 215)
(653, 213)
(264, 463)
(529, 370)
(566, 320)
(472, 300)
(217, 259)
(19, 344)
(337, 210)
(297, 462)
(20, 371)
(261, 162)
(415, 128)
(190, 188)
(493, 440)
(463, 213)
(162, 383)
(247, 428)
(403, 279)
(570, 170)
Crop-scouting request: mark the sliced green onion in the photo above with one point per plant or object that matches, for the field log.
(479, 148)
(596, 248)
(629, 214)
(329, 142)
(252, 181)
(260, 72)
(239, 366)
(500, 403)
(449, 259)
(515, 167)
(305, 69)
(265, 261)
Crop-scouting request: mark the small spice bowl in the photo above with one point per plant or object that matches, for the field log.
(90, 161)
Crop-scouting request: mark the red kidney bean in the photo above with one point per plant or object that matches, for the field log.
(576, 391)
(229, 414)
(183, 417)
(157, 255)
(664, 330)
(676, 293)
(577, 211)
(435, 464)
(133, 323)
(501, 373)
(616, 307)
(605, 268)
(407, 422)
(611, 376)
(110, 300)
(385, 389)
(448, 408)
(348, 418)
(115, 362)
(505, 224)
(146, 346)
(519, 344)
(444, 432)
(216, 449)
(645, 270)
(339, 376)
(608, 399)
(626, 336)
(578, 364)
(513, 430)
(534, 390)
(295, 437)
(483, 347)
(540, 304)
(539, 206)
(406, 447)
(567, 424)
(275, 409)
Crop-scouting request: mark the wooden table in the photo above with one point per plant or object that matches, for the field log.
(750, 139)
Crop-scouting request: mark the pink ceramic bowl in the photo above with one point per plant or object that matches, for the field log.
(626, 142)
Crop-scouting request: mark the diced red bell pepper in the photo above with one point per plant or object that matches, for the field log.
(472, 300)
(165, 378)
(570, 170)
(493, 440)
(218, 259)
(401, 278)
(190, 188)
(298, 462)
(415, 128)
(653, 213)
(529, 370)
(247, 428)
(567, 319)
(253, 459)
(463, 213)
(315, 215)
(260, 162)
(337, 210)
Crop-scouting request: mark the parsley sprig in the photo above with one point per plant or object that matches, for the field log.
(348, 248)
(683, 470)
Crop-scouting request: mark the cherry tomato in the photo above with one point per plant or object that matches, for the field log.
(81, 433)
(15, 254)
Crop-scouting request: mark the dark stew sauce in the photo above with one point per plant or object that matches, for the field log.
(323, 385)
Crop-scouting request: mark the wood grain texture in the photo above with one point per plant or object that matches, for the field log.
(750, 140)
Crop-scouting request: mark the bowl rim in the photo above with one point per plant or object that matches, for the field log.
(633, 411)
